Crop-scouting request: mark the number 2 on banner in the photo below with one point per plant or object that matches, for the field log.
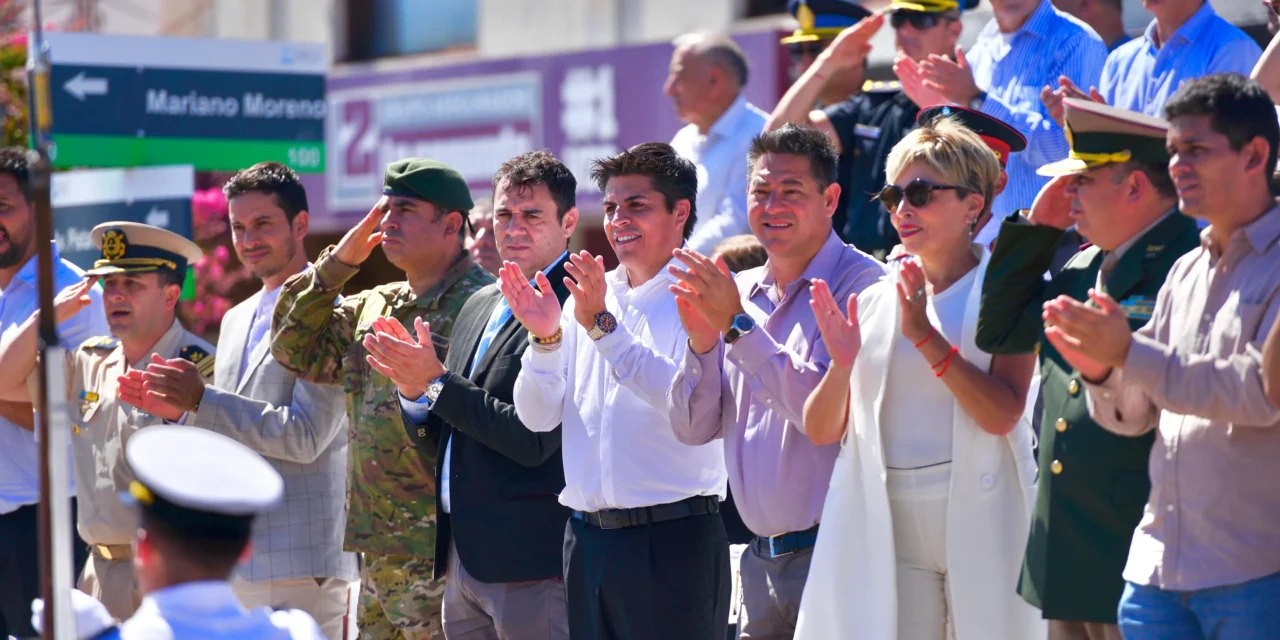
(304, 157)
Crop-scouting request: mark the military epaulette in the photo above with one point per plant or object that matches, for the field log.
(104, 343)
(203, 360)
(881, 86)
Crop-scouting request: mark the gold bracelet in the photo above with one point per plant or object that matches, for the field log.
(554, 339)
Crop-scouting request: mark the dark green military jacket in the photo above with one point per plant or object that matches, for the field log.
(1093, 484)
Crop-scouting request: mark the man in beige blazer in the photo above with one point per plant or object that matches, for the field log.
(297, 560)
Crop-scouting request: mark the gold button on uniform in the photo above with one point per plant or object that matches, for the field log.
(1060, 425)
(1056, 467)
(1074, 387)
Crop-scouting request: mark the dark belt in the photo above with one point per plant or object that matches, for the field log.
(639, 516)
(786, 543)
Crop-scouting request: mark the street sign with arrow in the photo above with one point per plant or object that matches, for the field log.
(80, 86)
(219, 105)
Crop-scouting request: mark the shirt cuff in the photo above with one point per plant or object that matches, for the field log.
(1107, 391)
(331, 273)
(416, 410)
(697, 365)
(751, 351)
(613, 345)
(1145, 363)
(543, 362)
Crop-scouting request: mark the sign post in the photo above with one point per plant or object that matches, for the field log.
(52, 429)
(218, 105)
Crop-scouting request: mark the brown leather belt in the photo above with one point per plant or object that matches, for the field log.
(113, 552)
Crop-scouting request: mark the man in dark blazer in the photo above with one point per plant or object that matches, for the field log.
(1115, 188)
(501, 525)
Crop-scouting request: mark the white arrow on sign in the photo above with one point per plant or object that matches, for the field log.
(80, 86)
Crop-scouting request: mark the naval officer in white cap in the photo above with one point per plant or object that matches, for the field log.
(197, 493)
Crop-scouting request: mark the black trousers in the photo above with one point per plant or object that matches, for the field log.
(667, 581)
(20, 567)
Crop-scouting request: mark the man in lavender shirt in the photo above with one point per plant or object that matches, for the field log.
(749, 388)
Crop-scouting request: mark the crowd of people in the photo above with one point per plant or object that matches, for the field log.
(990, 352)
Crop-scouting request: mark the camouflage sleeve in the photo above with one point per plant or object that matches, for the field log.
(309, 332)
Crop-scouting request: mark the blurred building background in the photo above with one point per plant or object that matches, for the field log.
(474, 82)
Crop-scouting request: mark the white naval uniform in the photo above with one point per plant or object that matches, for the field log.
(199, 610)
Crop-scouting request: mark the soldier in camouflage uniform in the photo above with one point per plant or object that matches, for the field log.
(391, 510)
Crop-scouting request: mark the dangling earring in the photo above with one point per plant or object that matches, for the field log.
(972, 227)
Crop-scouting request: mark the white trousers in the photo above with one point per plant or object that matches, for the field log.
(918, 502)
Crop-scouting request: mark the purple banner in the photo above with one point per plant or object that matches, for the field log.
(476, 115)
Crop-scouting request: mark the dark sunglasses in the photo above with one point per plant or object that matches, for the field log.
(920, 20)
(802, 50)
(918, 193)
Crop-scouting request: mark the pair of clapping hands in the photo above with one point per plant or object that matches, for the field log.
(167, 388)
(411, 362)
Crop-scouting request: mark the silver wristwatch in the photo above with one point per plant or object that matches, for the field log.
(605, 325)
(434, 388)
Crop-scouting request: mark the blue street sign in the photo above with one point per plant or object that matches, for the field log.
(214, 104)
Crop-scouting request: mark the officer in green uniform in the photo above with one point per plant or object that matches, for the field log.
(866, 126)
(391, 510)
(1115, 187)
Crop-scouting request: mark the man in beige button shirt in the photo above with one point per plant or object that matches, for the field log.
(142, 270)
(1205, 559)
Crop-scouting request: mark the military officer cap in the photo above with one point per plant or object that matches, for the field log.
(932, 6)
(1101, 134)
(1002, 138)
(429, 180)
(133, 247)
(200, 483)
(823, 19)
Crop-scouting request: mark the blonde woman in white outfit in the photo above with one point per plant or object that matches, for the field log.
(926, 519)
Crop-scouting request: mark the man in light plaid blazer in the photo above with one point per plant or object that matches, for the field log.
(297, 559)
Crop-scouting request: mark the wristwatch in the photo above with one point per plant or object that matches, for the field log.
(975, 102)
(605, 325)
(742, 325)
(434, 388)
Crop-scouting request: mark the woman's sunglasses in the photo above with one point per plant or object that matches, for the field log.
(918, 193)
(920, 20)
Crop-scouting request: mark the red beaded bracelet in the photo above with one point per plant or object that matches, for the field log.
(945, 363)
(926, 338)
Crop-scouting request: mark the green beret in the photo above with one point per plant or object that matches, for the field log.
(429, 180)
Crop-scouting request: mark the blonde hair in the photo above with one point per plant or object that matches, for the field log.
(742, 252)
(954, 152)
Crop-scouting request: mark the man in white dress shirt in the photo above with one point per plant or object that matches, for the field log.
(197, 494)
(299, 426)
(645, 552)
(707, 75)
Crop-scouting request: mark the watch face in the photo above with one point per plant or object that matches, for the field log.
(606, 321)
(743, 322)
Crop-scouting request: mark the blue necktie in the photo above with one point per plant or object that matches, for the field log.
(496, 321)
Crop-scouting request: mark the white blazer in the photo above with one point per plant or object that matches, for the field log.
(851, 592)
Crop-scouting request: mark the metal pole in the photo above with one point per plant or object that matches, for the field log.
(52, 427)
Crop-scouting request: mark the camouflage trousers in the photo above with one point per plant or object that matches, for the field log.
(399, 600)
